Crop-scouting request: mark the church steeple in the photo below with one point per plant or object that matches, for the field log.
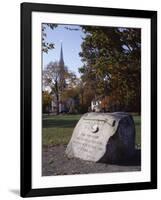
(61, 61)
(62, 70)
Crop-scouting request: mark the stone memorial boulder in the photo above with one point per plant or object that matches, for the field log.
(103, 137)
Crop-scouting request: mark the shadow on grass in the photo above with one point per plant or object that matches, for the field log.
(61, 123)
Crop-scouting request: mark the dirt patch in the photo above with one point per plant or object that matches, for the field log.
(55, 162)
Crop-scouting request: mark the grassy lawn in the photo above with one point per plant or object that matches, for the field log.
(58, 129)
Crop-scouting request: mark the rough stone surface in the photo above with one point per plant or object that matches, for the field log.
(103, 137)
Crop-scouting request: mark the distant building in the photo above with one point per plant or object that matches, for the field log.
(68, 105)
(101, 104)
(96, 105)
(106, 104)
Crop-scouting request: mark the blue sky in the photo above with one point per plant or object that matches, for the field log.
(71, 41)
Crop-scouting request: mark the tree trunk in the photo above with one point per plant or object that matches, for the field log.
(57, 104)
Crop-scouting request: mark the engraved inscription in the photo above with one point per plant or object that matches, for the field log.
(88, 143)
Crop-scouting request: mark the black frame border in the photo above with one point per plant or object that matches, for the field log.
(26, 103)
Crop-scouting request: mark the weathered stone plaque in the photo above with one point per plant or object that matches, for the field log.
(103, 137)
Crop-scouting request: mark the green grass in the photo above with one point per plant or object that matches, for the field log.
(58, 129)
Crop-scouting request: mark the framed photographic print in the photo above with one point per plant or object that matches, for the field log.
(88, 99)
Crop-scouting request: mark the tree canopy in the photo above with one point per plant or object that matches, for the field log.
(112, 63)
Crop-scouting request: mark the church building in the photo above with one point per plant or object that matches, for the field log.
(64, 107)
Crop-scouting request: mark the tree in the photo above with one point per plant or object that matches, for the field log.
(57, 79)
(46, 99)
(85, 95)
(112, 63)
(52, 78)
